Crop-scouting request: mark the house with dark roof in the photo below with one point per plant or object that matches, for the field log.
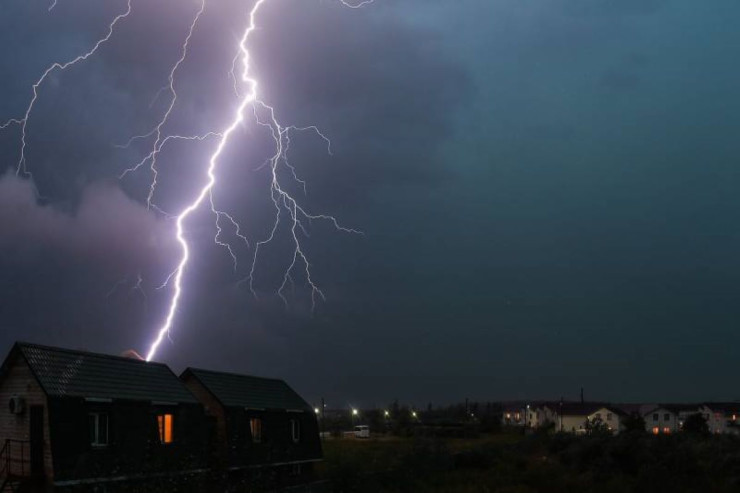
(75, 418)
(263, 427)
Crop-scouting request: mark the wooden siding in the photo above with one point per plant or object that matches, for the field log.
(215, 411)
(19, 380)
(133, 447)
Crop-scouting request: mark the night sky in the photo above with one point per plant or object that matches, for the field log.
(549, 191)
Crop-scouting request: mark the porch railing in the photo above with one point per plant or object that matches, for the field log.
(14, 462)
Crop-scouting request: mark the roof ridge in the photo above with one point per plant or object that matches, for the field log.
(193, 369)
(22, 344)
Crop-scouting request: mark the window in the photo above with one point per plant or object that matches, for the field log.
(98, 424)
(598, 416)
(656, 430)
(255, 427)
(666, 417)
(655, 417)
(295, 430)
(164, 427)
(667, 430)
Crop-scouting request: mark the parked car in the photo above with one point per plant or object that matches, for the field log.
(362, 431)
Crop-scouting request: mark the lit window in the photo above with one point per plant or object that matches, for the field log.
(508, 415)
(518, 416)
(656, 430)
(734, 417)
(98, 424)
(295, 430)
(667, 430)
(655, 417)
(164, 426)
(255, 426)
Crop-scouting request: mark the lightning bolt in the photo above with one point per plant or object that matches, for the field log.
(281, 199)
(246, 90)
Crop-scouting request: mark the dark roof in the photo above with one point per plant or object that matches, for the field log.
(583, 408)
(68, 373)
(725, 407)
(233, 390)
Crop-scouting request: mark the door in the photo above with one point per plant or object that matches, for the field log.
(36, 434)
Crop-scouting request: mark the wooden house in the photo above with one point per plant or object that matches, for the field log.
(263, 427)
(77, 420)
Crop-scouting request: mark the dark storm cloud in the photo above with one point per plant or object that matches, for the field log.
(548, 191)
(106, 228)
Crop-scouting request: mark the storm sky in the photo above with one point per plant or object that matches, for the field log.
(548, 192)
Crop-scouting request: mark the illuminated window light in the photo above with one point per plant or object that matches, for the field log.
(656, 430)
(164, 426)
(255, 427)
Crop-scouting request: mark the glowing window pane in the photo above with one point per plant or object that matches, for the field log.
(164, 426)
(255, 426)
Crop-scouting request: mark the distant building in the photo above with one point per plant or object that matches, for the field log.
(263, 427)
(722, 417)
(73, 418)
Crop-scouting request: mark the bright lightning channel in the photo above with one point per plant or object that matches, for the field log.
(280, 198)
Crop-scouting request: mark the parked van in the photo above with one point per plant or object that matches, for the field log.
(362, 431)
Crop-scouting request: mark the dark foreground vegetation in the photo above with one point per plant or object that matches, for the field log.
(557, 463)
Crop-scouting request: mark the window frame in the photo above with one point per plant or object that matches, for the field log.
(255, 423)
(95, 441)
(295, 430)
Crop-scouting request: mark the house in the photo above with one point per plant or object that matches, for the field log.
(75, 419)
(664, 419)
(576, 417)
(263, 427)
(609, 415)
(721, 417)
(513, 414)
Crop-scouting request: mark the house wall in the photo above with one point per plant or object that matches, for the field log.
(716, 419)
(133, 448)
(19, 380)
(572, 423)
(662, 419)
(277, 444)
(609, 418)
(214, 409)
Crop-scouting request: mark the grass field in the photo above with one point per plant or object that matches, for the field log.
(511, 463)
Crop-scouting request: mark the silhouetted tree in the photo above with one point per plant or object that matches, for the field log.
(634, 423)
(696, 424)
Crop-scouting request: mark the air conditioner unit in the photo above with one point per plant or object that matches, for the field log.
(17, 405)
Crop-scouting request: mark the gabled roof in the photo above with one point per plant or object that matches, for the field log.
(69, 373)
(245, 391)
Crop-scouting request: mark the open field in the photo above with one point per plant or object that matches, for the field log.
(510, 463)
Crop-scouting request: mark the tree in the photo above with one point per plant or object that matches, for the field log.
(696, 424)
(634, 423)
(597, 427)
